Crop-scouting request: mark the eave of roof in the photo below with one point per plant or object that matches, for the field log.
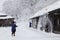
(49, 8)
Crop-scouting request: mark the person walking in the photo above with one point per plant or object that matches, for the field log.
(30, 24)
(13, 29)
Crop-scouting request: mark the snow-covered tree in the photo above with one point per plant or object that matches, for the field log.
(18, 8)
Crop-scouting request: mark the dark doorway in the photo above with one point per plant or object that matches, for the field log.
(35, 22)
(57, 22)
(55, 18)
(37, 19)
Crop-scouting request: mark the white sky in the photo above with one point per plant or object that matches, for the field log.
(1, 3)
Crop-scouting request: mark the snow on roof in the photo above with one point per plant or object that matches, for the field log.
(3, 14)
(7, 17)
(47, 9)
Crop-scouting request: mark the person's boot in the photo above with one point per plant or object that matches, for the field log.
(14, 34)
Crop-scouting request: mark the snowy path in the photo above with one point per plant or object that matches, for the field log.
(25, 33)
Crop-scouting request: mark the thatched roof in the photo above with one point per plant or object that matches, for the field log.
(47, 9)
(7, 17)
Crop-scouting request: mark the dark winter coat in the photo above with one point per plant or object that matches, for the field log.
(13, 27)
(30, 24)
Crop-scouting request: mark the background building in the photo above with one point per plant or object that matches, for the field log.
(48, 20)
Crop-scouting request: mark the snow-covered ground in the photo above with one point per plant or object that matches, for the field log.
(25, 33)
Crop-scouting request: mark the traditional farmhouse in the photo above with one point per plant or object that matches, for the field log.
(48, 19)
(5, 20)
